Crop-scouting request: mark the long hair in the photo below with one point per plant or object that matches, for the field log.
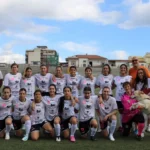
(144, 80)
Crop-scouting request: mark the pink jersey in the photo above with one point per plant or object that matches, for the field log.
(127, 102)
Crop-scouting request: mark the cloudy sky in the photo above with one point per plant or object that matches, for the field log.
(114, 29)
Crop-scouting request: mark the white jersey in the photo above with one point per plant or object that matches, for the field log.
(20, 108)
(29, 85)
(60, 84)
(104, 81)
(87, 82)
(43, 82)
(13, 81)
(68, 110)
(73, 82)
(5, 107)
(51, 107)
(118, 81)
(87, 108)
(38, 115)
(108, 106)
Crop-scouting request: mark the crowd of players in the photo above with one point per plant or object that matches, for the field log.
(60, 103)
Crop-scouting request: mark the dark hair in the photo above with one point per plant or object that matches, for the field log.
(28, 68)
(14, 64)
(43, 65)
(54, 87)
(73, 67)
(87, 88)
(107, 65)
(105, 87)
(23, 89)
(88, 68)
(67, 87)
(126, 83)
(6, 87)
(58, 67)
(144, 80)
(125, 66)
(38, 91)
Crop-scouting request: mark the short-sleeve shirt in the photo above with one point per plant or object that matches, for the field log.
(118, 81)
(87, 108)
(51, 106)
(60, 84)
(20, 108)
(73, 82)
(5, 107)
(68, 110)
(29, 85)
(109, 106)
(38, 115)
(103, 81)
(87, 82)
(13, 81)
(43, 82)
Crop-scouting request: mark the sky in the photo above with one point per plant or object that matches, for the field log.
(115, 29)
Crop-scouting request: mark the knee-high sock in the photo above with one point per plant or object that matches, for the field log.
(57, 129)
(145, 123)
(8, 128)
(27, 126)
(93, 131)
(73, 129)
(113, 126)
(140, 128)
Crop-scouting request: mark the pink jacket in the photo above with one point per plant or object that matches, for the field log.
(127, 102)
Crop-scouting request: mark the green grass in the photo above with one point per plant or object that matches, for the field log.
(44, 143)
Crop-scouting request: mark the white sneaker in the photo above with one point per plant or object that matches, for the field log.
(25, 138)
(142, 135)
(58, 139)
(99, 130)
(7, 136)
(148, 129)
(111, 137)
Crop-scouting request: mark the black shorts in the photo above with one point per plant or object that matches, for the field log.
(2, 123)
(37, 127)
(104, 124)
(45, 93)
(17, 124)
(84, 126)
(65, 123)
(119, 104)
(138, 118)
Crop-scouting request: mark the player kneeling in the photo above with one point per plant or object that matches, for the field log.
(107, 113)
(66, 111)
(51, 110)
(38, 119)
(21, 114)
(87, 113)
(5, 113)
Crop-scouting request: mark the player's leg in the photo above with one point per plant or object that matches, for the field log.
(57, 128)
(8, 123)
(93, 125)
(112, 127)
(73, 122)
(35, 132)
(27, 123)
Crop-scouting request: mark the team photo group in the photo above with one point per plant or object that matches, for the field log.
(60, 104)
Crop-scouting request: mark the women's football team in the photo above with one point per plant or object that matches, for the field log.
(64, 103)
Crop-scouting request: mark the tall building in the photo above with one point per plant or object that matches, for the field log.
(42, 55)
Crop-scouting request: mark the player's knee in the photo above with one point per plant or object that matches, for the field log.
(113, 117)
(73, 120)
(34, 138)
(8, 122)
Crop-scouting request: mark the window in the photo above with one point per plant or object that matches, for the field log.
(84, 61)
